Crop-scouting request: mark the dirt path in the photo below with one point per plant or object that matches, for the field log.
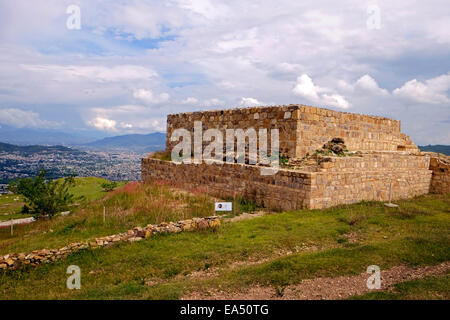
(247, 216)
(325, 288)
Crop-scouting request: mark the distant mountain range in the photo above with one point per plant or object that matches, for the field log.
(436, 148)
(84, 140)
(6, 147)
(136, 142)
(32, 136)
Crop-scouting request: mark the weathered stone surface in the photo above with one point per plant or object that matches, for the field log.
(302, 129)
(9, 262)
(202, 225)
(340, 180)
(440, 165)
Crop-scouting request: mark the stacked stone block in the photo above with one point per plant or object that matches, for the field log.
(302, 129)
(440, 182)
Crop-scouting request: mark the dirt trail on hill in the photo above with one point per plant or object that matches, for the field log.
(325, 288)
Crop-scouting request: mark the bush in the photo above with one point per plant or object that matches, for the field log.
(109, 186)
(44, 196)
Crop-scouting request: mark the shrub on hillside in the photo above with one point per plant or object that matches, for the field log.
(44, 197)
(109, 186)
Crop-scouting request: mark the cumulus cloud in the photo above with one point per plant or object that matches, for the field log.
(306, 88)
(148, 97)
(368, 84)
(24, 118)
(249, 102)
(125, 118)
(103, 124)
(433, 91)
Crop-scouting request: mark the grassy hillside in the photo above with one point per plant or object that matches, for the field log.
(10, 206)
(274, 251)
(87, 188)
(436, 287)
(130, 205)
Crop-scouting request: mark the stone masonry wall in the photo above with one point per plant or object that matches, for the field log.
(287, 190)
(257, 118)
(339, 181)
(302, 129)
(440, 182)
(352, 179)
(360, 132)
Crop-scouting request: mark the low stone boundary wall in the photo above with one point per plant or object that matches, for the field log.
(14, 261)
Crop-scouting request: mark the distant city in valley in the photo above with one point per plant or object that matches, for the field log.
(115, 158)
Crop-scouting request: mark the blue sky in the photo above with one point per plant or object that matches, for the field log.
(133, 62)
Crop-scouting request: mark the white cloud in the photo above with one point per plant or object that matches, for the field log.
(368, 84)
(249, 102)
(190, 101)
(125, 118)
(24, 118)
(93, 73)
(148, 97)
(103, 124)
(237, 40)
(335, 100)
(433, 91)
(306, 88)
(214, 102)
(205, 8)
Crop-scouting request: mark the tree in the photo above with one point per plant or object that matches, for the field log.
(44, 196)
(109, 186)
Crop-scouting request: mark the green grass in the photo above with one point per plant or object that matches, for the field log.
(127, 207)
(416, 234)
(10, 206)
(429, 288)
(90, 188)
(86, 189)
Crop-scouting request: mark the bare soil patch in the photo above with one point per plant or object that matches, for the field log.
(324, 288)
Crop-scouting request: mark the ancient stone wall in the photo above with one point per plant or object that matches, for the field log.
(377, 177)
(317, 126)
(338, 181)
(440, 182)
(257, 118)
(285, 190)
(302, 129)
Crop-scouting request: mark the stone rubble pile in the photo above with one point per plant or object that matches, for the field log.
(14, 261)
(336, 145)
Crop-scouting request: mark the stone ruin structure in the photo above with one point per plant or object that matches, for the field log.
(329, 158)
